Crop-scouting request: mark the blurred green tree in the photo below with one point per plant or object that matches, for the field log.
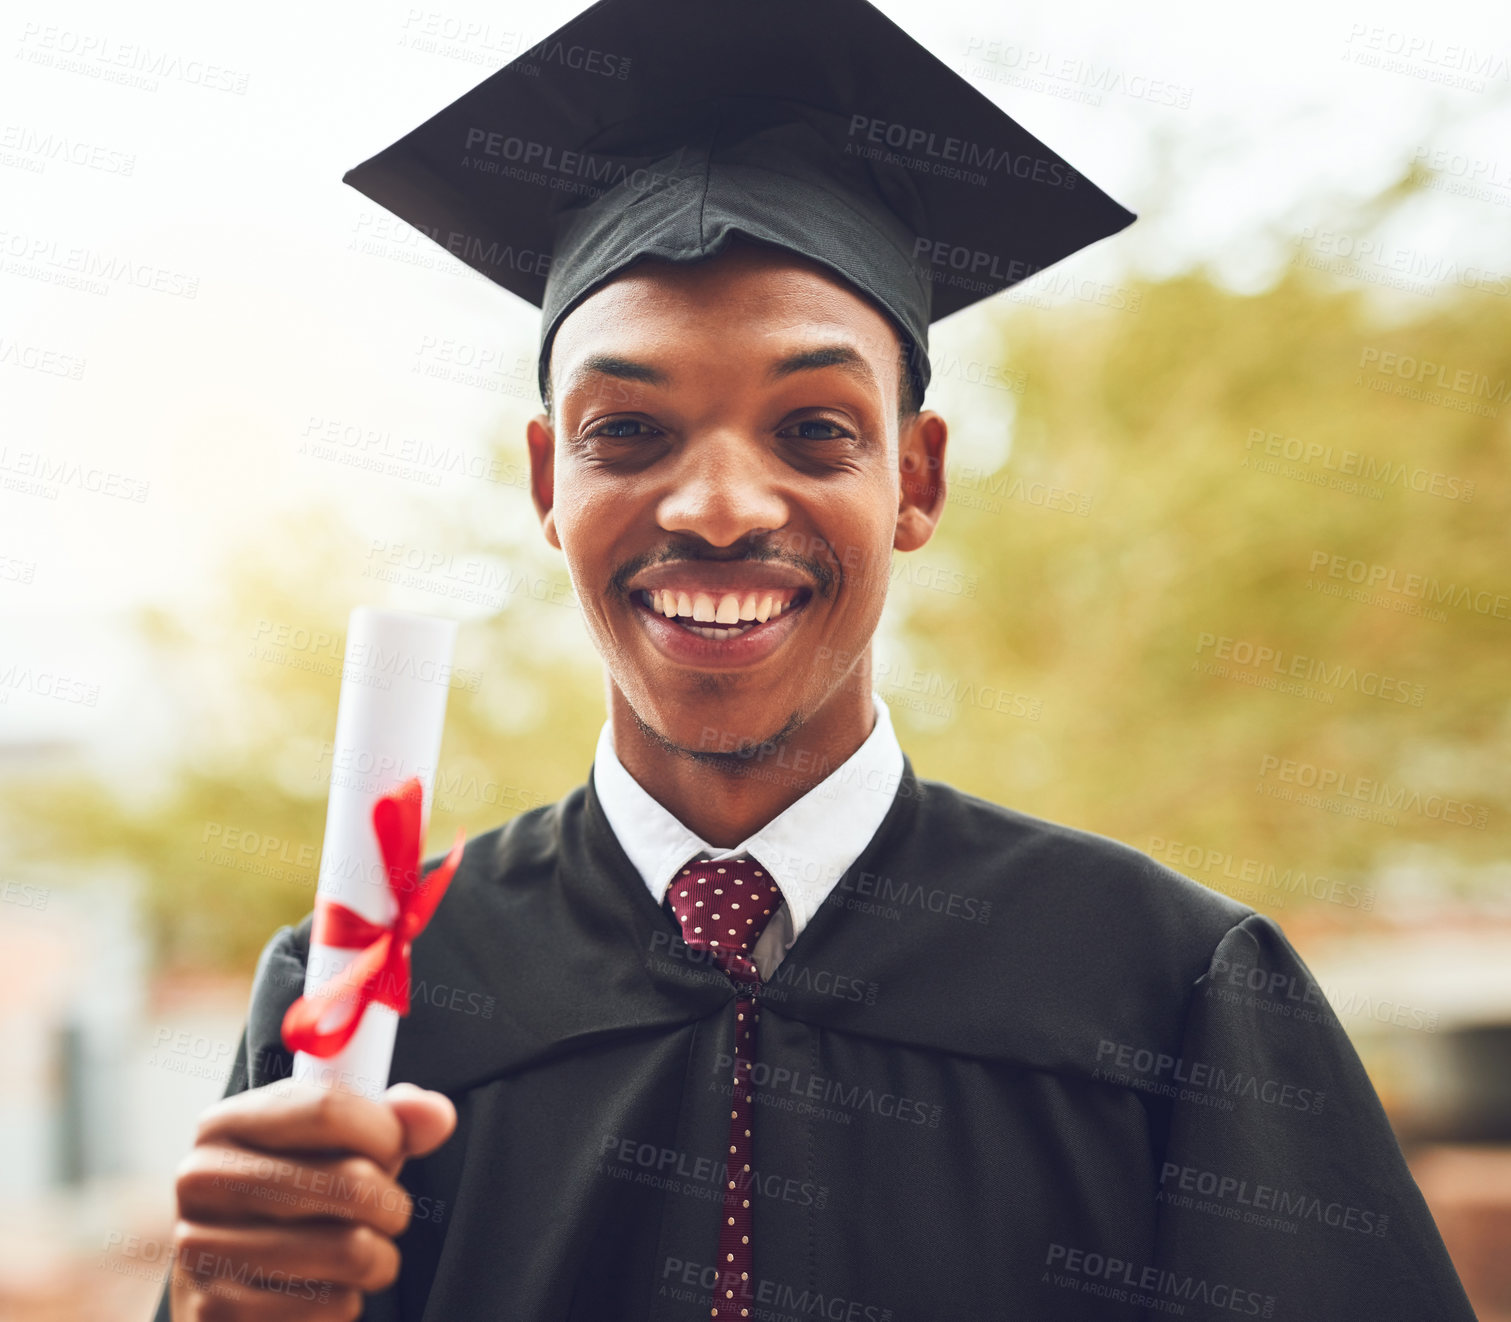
(1178, 477)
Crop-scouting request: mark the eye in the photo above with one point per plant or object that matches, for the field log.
(621, 429)
(825, 430)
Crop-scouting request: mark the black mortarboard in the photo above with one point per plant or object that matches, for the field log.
(660, 128)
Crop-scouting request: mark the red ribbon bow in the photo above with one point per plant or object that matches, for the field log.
(381, 972)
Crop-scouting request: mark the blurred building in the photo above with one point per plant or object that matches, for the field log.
(104, 1077)
(1425, 995)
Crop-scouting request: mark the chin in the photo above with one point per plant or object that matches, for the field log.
(715, 729)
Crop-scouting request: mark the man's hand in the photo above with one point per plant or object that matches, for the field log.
(288, 1206)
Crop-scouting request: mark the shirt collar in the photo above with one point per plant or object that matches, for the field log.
(807, 847)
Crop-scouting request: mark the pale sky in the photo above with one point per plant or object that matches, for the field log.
(275, 305)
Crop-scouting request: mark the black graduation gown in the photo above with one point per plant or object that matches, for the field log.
(1010, 1070)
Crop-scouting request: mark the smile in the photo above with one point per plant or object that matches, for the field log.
(720, 615)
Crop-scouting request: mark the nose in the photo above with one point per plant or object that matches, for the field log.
(725, 486)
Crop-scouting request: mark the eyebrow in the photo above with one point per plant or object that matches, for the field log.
(621, 368)
(615, 365)
(826, 355)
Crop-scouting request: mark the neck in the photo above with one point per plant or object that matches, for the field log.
(725, 798)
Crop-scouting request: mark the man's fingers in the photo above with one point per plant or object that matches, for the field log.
(297, 1261)
(286, 1117)
(428, 1118)
(226, 1184)
(197, 1300)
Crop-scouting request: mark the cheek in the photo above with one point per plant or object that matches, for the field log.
(589, 516)
(868, 552)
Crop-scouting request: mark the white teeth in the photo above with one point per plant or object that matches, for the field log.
(729, 608)
(717, 634)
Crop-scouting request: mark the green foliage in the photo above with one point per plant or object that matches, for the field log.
(1164, 416)
(231, 850)
(1091, 623)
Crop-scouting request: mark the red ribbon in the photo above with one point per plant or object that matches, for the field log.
(381, 972)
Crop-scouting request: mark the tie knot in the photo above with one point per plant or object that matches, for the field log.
(724, 905)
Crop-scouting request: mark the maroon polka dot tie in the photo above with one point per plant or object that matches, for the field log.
(723, 907)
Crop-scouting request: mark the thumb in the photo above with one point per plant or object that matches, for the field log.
(428, 1117)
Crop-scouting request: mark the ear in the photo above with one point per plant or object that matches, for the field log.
(541, 440)
(920, 493)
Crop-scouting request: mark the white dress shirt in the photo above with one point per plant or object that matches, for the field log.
(806, 848)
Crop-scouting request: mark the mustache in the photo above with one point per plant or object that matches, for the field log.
(826, 578)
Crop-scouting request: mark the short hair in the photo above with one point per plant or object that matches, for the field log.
(910, 384)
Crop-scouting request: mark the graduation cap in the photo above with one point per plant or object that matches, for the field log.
(664, 128)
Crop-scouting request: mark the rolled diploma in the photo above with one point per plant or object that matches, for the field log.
(389, 719)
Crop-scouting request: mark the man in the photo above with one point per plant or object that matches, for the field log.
(778, 1029)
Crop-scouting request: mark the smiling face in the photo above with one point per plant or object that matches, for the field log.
(727, 476)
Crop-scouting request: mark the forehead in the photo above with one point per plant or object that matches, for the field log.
(749, 298)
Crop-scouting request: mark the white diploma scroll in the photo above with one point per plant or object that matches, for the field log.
(394, 682)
